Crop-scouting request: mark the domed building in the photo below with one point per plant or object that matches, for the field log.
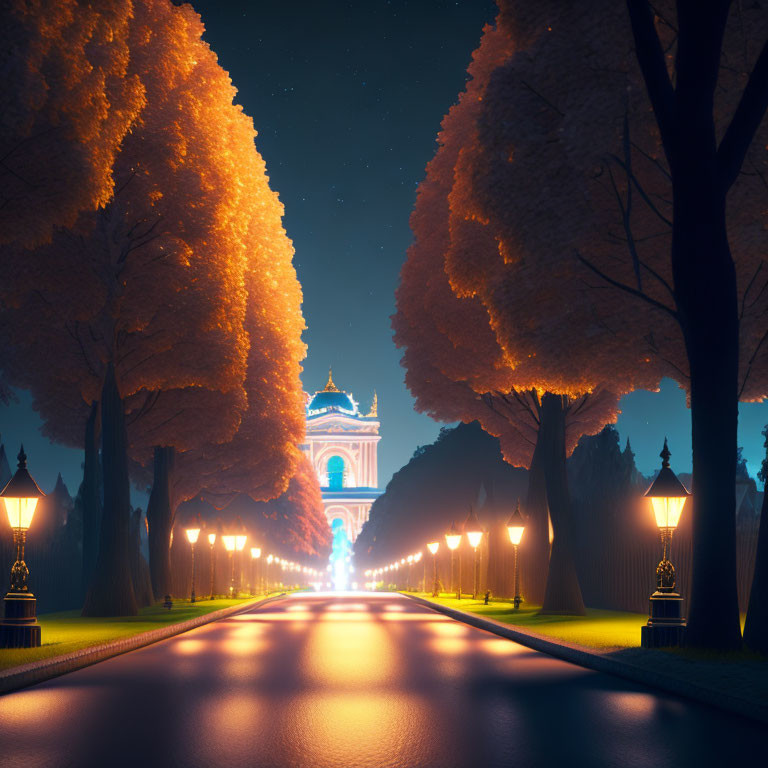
(342, 445)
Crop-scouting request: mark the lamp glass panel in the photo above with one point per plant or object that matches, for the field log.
(515, 533)
(229, 543)
(240, 542)
(192, 535)
(255, 552)
(20, 511)
(211, 538)
(452, 540)
(667, 510)
(433, 547)
(474, 538)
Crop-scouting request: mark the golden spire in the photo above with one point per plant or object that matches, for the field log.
(330, 386)
(374, 413)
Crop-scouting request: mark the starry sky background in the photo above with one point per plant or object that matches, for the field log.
(347, 98)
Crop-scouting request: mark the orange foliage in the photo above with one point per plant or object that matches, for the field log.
(66, 104)
(563, 165)
(183, 281)
(455, 366)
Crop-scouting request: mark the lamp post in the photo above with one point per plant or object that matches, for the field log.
(515, 528)
(192, 536)
(666, 625)
(19, 627)
(417, 559)
(433, 547)
(452, 541)
(229, 545)
(474, 536)
(240, 540)
(255, 555)
(410, 573)
(212, 542)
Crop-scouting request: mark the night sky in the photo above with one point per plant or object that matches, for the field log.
(347, 98)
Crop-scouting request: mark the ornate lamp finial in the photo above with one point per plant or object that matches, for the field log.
(22, 457)
(330, 386)
(374, 412)
(665, 454)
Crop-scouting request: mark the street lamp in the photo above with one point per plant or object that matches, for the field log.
(452, 541)
(19, 628)
(433, 547)
(410, 572)
(666, 625)
(212, 542)
(192, 536)
(270, 559)
(240, 540)
(474, 535)
(515, 528)
(229, 545)
(417, 560)
(255, 555)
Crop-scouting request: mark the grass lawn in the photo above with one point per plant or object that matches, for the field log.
(68, 631)
(601, 630)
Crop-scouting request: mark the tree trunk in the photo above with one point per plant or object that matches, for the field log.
(111, 590)
(706, 297)
(756, 627)
(704, 289)
(142, 584)
(91, 498)
(563, 593)
(160, 520)
(534, 548)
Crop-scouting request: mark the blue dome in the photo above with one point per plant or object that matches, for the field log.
(338, 400)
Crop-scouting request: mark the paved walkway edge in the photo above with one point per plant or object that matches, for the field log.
(603, 663)
(24, 675)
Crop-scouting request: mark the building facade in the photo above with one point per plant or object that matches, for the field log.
(342, 445)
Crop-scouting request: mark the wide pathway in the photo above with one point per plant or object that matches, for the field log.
(356, 681)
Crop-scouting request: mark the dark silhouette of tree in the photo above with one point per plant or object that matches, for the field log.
(601, 188)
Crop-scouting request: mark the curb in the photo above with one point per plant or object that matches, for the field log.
(24, 675)
(755, 710)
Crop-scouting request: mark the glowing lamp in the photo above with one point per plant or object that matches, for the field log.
(211, 538)
(433, 547)
(20, 496)
(20, 629)
(240, 542)
(229, 543)
(452, 538)
(515, 528)
(516, 525)
(255, 552)
(410, 558)
(667, 494)
(192, 535)
(417, 557)
(472, 529)
(666, 625)
(474, 536)
(270, 558)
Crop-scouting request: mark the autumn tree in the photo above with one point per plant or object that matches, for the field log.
(68, 103)
(457, 369)
(574, 183)
(260, 455)
(296, 518)
(151, 306)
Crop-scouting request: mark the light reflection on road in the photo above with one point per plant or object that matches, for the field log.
(355, 681)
